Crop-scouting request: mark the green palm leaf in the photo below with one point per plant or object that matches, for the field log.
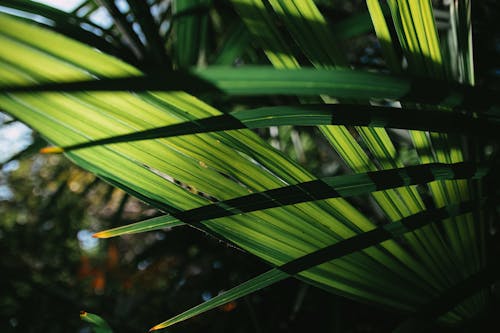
(310, 115)
(155, 135)
(99, 325)
(337, 250)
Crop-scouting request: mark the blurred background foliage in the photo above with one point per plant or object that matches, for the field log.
(52, 268)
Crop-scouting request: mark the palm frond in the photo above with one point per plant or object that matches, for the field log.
(147, 127)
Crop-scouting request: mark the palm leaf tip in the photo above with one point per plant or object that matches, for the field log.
(102, 234)
(99, 325)
(157, 327)
(51, 150)
(155, 223)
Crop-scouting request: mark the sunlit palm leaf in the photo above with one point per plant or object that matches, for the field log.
(202, 162)
(207, 169)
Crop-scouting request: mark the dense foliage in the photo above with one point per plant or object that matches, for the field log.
(349, 145)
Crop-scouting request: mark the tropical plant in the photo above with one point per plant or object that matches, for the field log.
(160, 98)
